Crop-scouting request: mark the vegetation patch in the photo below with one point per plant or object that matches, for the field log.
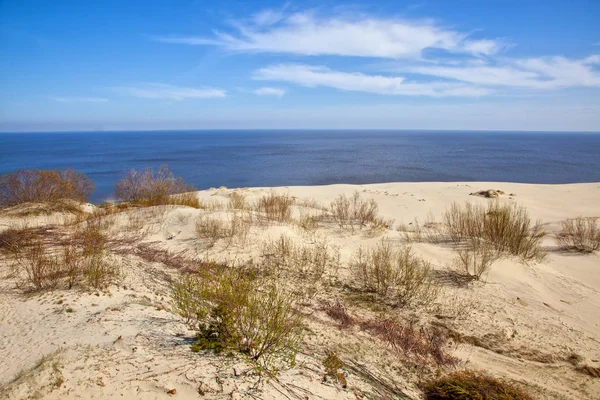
(580, 234)
(468, 385)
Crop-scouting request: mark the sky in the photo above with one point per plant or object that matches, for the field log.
(152, 65)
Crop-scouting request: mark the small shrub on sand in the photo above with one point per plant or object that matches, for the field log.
(277, 207)
(469, 385)
(349, 212)
(580, 234)
(35, 265)
(507, 227)
(475, 260)
(308, 222)
(231, 310)
(398, 272)
(237, 201)
(43, 186)
(333, 365)
(235, 227)
(143, 187)
(306, 261)
(425, 345)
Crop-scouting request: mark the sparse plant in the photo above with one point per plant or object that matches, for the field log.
(507, 227)
(43, 186)
(306, 261)
(333, 366)
(425, 345)
(144, 188)
(231, 310)
(338, 311)
(349, 212)
(237, 226)
(580, 234)
(475, 260)
(308, 222)
(237, 201)
(398, 272)
(276, 207)
(466, 385)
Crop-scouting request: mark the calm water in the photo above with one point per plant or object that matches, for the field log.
(279, 158)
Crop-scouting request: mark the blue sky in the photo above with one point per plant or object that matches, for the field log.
(463, 64)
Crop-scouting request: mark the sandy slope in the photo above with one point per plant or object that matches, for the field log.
(525, 323)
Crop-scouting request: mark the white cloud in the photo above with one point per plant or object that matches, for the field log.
(170, 92)
(269, 91)
(305, 33)
(534, 73)
(313, 76)
(71, 99)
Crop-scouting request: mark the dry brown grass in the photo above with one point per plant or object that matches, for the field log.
(143, 187)
(507, 227)
(475, 260)
(351, 212)
(424, 345)
(276, 207)
(309, 261)
(580, 234)
(395, 272)
(338, 311)
(467, 385)
(44, 186)
(237, 201)
(236, 227)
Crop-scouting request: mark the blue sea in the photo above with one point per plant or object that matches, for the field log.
(239, 158)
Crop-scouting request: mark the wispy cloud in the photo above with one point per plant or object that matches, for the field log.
(306, 33)
(170, 92)
(534, 73)
(269, 91)
(314, 76)
(76, 99)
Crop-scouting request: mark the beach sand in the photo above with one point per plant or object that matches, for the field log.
(533, 322)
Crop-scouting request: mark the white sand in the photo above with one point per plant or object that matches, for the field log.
(523, 324)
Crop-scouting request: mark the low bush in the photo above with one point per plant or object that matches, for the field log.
(395, 271)
(337, 310)
(507, 227)
(143, 187)
(580, 234)
(44, 186)
(231, 310)
(349, 212)
(333, 366)
(237, 201)
(469, 385)
(276, 207)
(425, 345)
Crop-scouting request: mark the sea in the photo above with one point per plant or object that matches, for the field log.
(244, 158)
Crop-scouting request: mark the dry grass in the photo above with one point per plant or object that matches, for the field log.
(475, 260)
(424, 345)
(333, 366)
(143, 187)
(276, 207)
(594, 372)
(338, 311)
(236, 227)
(231, 310)
(507, 227)
(396, 272)
(237, 201)
(310, 261)
(43, 186)
(469, 385)
(351, 212)
(580, 234)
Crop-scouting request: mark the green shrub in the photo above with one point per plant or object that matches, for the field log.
(333, 365)
(43, 186)
(231, 310)
(580, 234)
(143, 187)
(470, 385)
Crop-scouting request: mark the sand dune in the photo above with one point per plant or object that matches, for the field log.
(533, 322)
